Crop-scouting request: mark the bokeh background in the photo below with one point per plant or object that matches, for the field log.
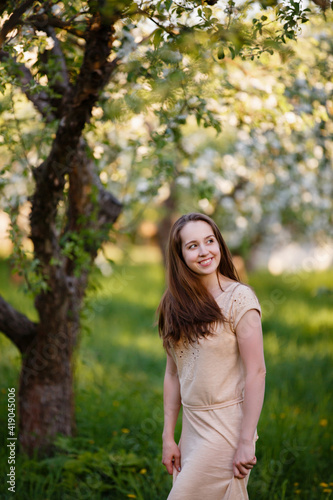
(258, 160)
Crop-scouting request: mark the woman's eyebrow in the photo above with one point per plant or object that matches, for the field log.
(195, 241)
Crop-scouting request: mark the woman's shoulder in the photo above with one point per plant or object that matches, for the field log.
(224, 299)
(229, 288)
(243, 289)
(243, 299)
(237, 297)
(243, 294)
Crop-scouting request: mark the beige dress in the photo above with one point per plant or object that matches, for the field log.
(212, 379)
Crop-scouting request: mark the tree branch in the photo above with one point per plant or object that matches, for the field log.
(110, 207)
(86, 193)
(91, 209)
(16, 326)
(57, 51)
(149, 16)
(40, 21)
(323, 4)
(50, 175)
(14, 20)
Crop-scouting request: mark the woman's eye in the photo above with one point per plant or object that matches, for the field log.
(211, 240)
(192, 246)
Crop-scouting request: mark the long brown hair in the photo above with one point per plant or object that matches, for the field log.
(187, 309)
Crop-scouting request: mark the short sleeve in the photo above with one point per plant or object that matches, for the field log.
(171, 351)
(244, 299)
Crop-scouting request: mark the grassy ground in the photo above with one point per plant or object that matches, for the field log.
(116, 453)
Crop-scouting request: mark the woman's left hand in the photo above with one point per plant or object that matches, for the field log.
(244, 459)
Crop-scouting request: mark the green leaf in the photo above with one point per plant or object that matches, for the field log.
(220, 53)
(158, 37)
(208, 12)
(232, 51)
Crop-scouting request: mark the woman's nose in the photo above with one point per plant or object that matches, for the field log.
(202, 250)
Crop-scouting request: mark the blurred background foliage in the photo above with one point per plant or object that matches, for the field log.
(183, 127)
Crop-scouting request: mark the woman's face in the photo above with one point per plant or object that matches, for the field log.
(200, 248)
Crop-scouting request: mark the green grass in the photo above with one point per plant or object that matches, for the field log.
(119, 368)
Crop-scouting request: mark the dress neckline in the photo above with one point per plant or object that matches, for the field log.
(226, 287)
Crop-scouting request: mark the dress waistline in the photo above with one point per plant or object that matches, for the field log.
(214, 406)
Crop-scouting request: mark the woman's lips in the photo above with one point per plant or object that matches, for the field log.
(206, 262)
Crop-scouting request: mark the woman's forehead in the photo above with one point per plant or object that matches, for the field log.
(195, 230)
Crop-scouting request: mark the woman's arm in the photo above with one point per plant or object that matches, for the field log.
(250, 342)
(172, 403)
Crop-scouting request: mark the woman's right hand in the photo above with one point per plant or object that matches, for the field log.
(171, 455)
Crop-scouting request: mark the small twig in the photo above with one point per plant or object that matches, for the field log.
(190, 9)
(149, 16)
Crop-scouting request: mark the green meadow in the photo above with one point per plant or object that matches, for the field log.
(119, 368)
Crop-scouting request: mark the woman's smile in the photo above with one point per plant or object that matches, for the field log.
(206, 262)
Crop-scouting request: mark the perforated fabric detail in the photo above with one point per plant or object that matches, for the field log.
(188, 354)
(243, 300)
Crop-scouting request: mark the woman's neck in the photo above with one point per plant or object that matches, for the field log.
(214, 283)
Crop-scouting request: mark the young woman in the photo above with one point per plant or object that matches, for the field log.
(211, 330)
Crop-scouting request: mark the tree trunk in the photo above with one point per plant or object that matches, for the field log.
(65, 254)
(167, 220)
(46, 383)
(46, 387)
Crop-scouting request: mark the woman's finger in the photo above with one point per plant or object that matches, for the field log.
(250, 464)
(242, 469)
(168, 464)
(177, 462)
(236, 472)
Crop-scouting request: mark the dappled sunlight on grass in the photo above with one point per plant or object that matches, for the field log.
(313, 313)
(142, 284)
(279, 348)
(142, 343)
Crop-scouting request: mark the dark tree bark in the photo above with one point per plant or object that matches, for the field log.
(16, 326)
(46, 382)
